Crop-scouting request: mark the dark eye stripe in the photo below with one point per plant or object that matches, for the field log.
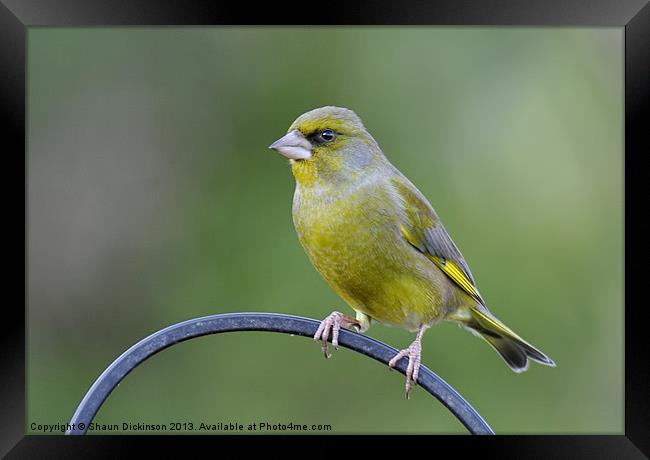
(322, 137)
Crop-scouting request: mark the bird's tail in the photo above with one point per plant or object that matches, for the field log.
(514, 350)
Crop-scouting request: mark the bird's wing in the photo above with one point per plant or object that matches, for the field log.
(423, 230)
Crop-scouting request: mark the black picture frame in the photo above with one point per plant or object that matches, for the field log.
(634, 15)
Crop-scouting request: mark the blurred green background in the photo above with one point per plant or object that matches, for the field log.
(152, 199)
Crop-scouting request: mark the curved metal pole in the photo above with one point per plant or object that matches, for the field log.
(270, 322)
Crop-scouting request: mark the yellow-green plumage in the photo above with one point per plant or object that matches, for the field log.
(378, 242)
(351, 238)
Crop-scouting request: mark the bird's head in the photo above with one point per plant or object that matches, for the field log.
(328, 144)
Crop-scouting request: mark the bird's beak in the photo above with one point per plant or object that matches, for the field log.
(293, 146)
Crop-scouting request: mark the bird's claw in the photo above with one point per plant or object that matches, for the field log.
(332, 323)
(413, 353)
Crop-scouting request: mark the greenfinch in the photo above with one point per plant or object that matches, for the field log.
(379, 244)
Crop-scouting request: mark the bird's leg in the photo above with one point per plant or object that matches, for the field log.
(413, 353)
(364, 322)
(332, 323)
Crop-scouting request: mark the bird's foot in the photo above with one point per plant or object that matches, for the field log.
(332, 324)
(413, 353)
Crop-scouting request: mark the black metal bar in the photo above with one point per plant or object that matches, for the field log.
(269, 322)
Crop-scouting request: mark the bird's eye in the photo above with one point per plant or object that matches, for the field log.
(327, 135)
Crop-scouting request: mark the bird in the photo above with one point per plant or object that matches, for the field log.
(380, 245)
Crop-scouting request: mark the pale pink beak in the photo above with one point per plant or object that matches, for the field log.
(293, 146)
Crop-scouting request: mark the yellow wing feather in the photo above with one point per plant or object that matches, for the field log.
(424, 231)
(457, 276)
